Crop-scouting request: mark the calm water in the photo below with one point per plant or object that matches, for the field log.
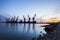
(20, 31)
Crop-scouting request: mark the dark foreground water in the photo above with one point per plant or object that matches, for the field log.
(20, 31)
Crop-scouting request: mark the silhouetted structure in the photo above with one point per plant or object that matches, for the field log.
(24, 19)
(29, 18)
(15, 20)
(20, 21)
(34, 18)
(12, 20)
(7, 20)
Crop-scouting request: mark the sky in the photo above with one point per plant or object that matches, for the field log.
(42, 8)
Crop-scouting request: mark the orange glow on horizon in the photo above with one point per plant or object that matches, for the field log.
(53, 20)
(50, 20)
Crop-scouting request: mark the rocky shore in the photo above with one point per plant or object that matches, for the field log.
(53, 32)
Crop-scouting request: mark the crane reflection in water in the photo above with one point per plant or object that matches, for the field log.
(22, 31)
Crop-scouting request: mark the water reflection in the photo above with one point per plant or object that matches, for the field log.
(22, 31)
(28, 28)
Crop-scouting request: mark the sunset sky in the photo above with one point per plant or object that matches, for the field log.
(42, 8)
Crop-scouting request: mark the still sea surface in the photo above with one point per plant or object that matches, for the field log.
(10, 31)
